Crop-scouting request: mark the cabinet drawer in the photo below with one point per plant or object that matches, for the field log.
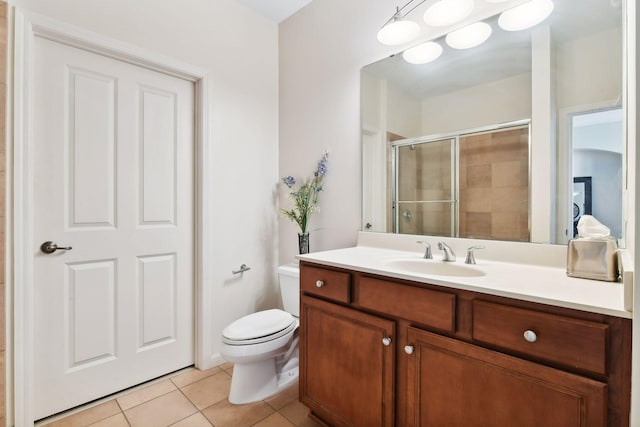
(425, 306)
(333, 285)
(573, 343)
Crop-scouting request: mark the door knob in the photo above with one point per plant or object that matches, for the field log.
(386, 341)
(50, 247)
(408, 349)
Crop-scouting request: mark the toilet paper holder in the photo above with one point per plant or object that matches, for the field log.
(242, 269)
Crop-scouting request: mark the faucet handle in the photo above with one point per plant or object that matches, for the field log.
(427, 251)
(447, 252)
(471, 259)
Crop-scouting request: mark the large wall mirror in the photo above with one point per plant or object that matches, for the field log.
(514, 139)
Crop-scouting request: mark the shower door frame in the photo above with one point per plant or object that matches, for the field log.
(455, 196)
(395, 214)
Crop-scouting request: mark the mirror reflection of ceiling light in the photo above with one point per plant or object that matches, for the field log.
(526, 15)
(398, 32)
(423, 53)
(448, 12)
(469, 36)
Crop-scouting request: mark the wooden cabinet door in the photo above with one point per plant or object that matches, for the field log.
(346, 365)
(453, 383)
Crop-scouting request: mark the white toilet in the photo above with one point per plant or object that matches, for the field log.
(263, 346)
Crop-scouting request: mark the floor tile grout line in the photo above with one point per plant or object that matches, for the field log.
(194, 404)
(126, 419)
(190, 415)
(271, 406)
(61, 416)
(146, 401)
(114, 396)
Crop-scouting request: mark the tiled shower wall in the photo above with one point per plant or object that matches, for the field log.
(3, 100)
(494, 185)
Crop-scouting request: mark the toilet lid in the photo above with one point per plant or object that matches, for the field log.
(260, 324)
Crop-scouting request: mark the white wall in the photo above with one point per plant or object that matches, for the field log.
(322, 49)
(373, 101)
(404, 112)
(467, 108)
(388, 108)
(574, 86)
(240, 48)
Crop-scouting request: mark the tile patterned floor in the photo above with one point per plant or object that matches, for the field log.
(191, 398)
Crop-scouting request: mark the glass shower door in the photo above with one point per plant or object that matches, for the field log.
(424, 196)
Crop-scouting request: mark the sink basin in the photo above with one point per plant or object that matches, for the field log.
(436, 268)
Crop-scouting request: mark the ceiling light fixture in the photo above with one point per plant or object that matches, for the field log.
(397, 30)
(423, 53)
(469, 36)
(526, 15)
(448, 12)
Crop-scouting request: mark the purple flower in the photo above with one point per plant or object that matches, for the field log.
(322, 168)
(305, 194)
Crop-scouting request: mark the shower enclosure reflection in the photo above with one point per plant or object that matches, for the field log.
(474, 184)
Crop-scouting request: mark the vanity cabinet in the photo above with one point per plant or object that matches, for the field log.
(453, 383)
(348, 364)
(378, 351)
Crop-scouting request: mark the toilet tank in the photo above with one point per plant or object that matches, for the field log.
(289, 278)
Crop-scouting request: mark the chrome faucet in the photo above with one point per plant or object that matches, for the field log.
(427, 251)
(470, 259)
(447, 252)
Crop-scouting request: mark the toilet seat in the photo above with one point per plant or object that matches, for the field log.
(259, 327)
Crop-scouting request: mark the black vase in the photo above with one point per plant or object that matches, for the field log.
(303, 243)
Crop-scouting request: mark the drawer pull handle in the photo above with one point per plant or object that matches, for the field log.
(530, 336)
(386, 341)
(319, 283)
(408, 349)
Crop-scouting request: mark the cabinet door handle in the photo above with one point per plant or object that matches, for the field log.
(319, 283)
(408, 349)
(530, 336)
(386, 341)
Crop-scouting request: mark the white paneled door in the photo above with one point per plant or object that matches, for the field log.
(114, 184)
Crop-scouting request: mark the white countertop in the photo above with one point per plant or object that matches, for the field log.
(524, 281)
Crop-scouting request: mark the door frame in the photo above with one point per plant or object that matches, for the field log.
(20, 250)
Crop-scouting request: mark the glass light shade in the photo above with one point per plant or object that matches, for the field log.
(469, 36)
(448, 12)
(526, 15)
(496, 1)
(423, 53)
(398, 32)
